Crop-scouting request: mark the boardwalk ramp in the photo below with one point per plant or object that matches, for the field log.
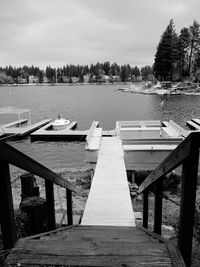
(109, 202)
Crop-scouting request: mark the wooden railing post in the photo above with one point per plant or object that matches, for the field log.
(145, 208)
(8, 227)
(69, 207)
(50, 205)
(158, 206)
(188, 197)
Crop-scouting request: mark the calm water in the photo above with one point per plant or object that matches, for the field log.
(85, 104)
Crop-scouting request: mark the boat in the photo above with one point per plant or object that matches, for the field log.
(128, 89)
(124, 89)
(60, 123)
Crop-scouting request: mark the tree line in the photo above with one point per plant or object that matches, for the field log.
(94, 72)
(177, 58)
(178, 55)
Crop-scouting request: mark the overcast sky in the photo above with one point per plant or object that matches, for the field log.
(56, 33)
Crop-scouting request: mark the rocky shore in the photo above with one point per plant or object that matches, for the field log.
(164, 88)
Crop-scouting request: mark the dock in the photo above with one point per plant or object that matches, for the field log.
(194, 124)
(19, 128)
(46, 133)
(109, 191)
(144, 143)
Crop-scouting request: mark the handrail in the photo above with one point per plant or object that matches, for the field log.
(10, 155)
(187, 155)
(20, 160)
(172, 161)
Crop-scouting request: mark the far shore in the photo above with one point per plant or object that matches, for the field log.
(124, 87)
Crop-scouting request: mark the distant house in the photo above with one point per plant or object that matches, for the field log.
(75, 79)
(116, 78)
(138, 79)
(21, 80)
(65, 79)
(86, 78)
(45, 79)
(33, 79)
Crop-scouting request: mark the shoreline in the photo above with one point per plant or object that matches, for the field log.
(142, 91)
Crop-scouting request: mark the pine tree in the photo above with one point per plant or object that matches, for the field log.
(195, 44)
(165, 57)
(184, 43)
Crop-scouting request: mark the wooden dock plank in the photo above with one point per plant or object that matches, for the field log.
(21, 131)
(197, 121)
(193, 125)
(15, 123)
(180, 129)
(109, 190)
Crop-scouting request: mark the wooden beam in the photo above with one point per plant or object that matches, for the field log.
(145, 208)
(20, 160)
(172, 161)
(175, 255)
(69, 207)
(51, 221)
(188, 197)
(8, 227)
(158, 206)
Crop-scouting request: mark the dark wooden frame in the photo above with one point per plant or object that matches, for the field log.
(10, 155)
(187, 155)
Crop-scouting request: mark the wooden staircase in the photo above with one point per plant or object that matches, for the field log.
(94, 246)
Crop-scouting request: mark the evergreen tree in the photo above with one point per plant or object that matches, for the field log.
(106, 68)
(184, 43)
(146, 72)
(136, 71)
(123, 73)
(164, 57)
(195, 43)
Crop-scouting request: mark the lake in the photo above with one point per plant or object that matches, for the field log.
(85, 103)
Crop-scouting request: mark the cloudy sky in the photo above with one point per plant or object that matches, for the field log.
(49, 32)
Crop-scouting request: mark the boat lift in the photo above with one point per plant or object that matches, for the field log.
(18, 111)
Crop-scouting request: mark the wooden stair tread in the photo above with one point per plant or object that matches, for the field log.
(92, 246)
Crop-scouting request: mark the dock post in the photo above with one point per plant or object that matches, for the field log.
(132, 177)
(51, 221)
(69, 207)
(35, 208)
(8, 227)
(27, 185)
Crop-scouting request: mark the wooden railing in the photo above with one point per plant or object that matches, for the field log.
(187, 155)
(10, 155)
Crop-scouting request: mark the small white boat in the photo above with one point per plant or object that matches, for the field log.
(60, 123)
